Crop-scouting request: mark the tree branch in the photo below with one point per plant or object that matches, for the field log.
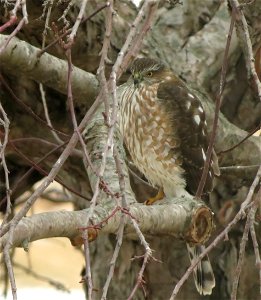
(179, 219)
(20, 58)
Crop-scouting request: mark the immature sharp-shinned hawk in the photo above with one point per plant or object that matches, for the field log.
(164, 129)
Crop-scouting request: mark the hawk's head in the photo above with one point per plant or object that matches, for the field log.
(147, 70)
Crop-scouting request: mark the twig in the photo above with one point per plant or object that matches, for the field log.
(5, 122)
(152, 8)
(119, 238)
(10, 271)
(52, 282)
(46, 113)
(88, 273)
(257, 254)
(217, 109)
(242, 141)
(244, 35)
(120, 232)
(104, 57)
(47, 20)
(28, 108)
(140, 275)
(8, 39)
(63, 17)
(69, 30)
(249, 221)
(41, 170)
(129, 44)
(16, 7)
(9, 23)
(72, 112)
(24, 11)
(23, 21)
(78, 22)
(138, 177)
(235, 168)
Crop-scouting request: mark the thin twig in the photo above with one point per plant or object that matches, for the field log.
(217, 109)
(77, 22)
(28, 108)
(46, 113)
(129, 45)
(119, 238)
(72, 112)
(120, 232)
(244, 35)
(23, 21)
(257, 254)
(66, 32)
(140, 275)
(236, 275)
(28, 270)
(104, 57)
(10, 271)
(242, 141)
(41, 170)
(5, 122)
(88, 273)
(47, 20)
(16, 7)
(9, 23)
(149, 14)
(8, 39)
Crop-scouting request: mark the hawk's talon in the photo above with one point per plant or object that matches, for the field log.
(160, 195)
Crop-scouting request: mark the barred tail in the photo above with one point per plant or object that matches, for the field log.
(203, 273)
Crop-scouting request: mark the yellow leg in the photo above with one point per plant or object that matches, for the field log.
(160, 195)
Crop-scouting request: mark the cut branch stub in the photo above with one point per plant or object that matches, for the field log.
(201, 226)
(182, 218)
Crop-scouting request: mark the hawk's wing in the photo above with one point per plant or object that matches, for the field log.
(185, 113)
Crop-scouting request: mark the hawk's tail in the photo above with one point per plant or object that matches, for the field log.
(203, 273)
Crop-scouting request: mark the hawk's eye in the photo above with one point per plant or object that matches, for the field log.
(149, 74)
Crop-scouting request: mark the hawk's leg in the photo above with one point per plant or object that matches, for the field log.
(160, 195)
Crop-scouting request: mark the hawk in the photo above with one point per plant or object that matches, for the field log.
(164, 129)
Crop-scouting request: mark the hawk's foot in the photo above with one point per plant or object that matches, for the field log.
(78, 240)
(160, 195)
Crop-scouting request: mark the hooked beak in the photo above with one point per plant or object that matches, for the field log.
(137, 78)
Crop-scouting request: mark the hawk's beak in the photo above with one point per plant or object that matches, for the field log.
(137, 79)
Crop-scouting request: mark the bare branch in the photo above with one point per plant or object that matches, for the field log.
(177, 218)
(21, 58)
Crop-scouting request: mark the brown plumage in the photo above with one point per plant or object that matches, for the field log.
(164, 128)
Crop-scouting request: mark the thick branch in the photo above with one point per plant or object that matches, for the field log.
(180, 219)
(20, 59)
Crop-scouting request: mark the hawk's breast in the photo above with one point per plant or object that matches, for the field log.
(148, 135)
